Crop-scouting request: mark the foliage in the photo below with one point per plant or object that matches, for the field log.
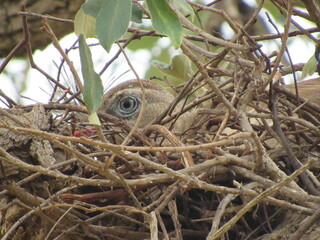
(93, 88)
(247, 166)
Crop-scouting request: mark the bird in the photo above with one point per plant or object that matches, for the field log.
(308, 89)
(125, 100)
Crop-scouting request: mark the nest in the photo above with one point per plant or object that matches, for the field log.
(248, 168)
(225, 181)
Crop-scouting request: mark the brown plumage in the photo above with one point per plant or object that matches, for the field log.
(308, 89)
(124, 101)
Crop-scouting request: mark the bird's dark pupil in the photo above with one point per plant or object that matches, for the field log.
(127, 104)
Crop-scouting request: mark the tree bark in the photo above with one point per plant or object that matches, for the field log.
(11, 24)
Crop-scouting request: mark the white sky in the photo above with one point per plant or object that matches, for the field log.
(38, 88)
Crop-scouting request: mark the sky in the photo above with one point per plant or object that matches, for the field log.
(38, 89)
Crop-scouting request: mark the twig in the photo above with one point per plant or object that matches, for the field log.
(21, 44)
(32, 14)
(292, 159)
(256, 200)
(202, 33)
(284, 44)
(56, 43)
(219, 213)
(305, 225)
(206, 77)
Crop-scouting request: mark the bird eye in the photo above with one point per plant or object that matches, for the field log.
(128, 106)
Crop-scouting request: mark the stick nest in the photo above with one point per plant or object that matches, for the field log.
(248, 168)
(225, 181)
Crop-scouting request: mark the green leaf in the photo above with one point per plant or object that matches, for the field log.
(92, 7)
(147, 42)
(179, 68)
(165, 21)
(310, 67)
(93, 88)
(136, 14)
(112, 21)
(94, 119)
(162, 66)
(84, 24)
(185, 8)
